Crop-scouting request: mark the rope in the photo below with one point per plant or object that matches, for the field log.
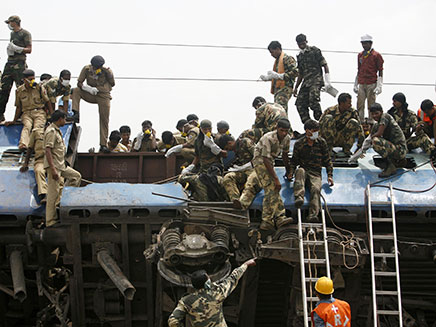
(347, 243)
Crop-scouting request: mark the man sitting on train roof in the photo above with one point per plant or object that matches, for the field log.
(114, 144)
(125, 137)
(32, 104)
(242, 167)
(193, 120)
(145, 141)
(173, 143)
(424, 129)
(340, 125)
(387, 140)
(223, 129)
(204, 175)
(190, 132)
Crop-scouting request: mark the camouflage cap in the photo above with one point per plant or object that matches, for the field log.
(28, 72)
(206, 123)
(14, 18)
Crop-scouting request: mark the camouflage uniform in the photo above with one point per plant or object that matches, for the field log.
(234, 181)
(203, 308)
(392, 145)
(268, 147)
(310, 160)
(283, 94)
(341, 129)
(408, 126)
(206, 160)
(55, 88)
(13, 71)
(268, 115)
(253, 134)
(310, 64)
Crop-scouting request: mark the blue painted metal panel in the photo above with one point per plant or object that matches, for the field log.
(350, 184)
(18, 194)
(122, 195)
(10, 135)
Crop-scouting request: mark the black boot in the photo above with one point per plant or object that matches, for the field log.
(75, 118)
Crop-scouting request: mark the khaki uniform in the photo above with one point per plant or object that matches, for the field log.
(146, 144)
(365, 92)
(234, 181)
(268, 147)
(36, 143)
(16, 64)
(32, 103)
(53, 139)
(341, 129)
(204, 307)
(307, 162)
(104, 83)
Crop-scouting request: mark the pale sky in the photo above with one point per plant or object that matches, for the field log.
(401, 26)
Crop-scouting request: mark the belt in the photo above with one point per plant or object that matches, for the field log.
(33, 109)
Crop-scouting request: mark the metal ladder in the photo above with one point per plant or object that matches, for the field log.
(374, 236)
(306, 246)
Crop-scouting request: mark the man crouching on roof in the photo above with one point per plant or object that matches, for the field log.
(204, 175)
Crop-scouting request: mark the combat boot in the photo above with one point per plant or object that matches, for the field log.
(389, 170)
(282, 221)
(75, 118)
(299, 201)
(266, 225)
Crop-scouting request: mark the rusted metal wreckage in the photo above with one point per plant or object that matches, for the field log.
(126, 245)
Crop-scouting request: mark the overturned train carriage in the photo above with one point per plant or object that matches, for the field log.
(125, 247)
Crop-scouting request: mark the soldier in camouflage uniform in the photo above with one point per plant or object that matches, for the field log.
(237, 176)
(340, 125)
(267, 115)
(310, 154)
(207, 161)
(387, 139)
(266, 151)
(204, 307)
(310, 64)
(59, 86)
(282, 76)
(424, 129)
(20, 44)
(253, 134)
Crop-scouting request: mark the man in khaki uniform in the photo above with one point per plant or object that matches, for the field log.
(31, 101)
(20, 44)
(100, 81)
(36, 144)
(54, 163)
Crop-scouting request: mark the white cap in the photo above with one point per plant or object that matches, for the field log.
(366, 38)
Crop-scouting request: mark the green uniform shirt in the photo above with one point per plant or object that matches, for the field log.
(407, 122)
(244, 151)
(270, 147)
(268, 115)
(207, 158)
(311, 158)
(22, 38)
(310, 64)
(392, 132)
(55, 88)
(204, 307)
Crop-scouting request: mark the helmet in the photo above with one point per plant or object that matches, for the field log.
(324, 285)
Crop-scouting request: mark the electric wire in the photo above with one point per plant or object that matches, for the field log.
(213, 46)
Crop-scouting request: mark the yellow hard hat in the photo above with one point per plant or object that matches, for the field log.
(324, 285)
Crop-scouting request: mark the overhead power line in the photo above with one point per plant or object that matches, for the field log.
(214, 46)
(200, 79)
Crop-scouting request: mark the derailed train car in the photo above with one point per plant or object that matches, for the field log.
(126, 245)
